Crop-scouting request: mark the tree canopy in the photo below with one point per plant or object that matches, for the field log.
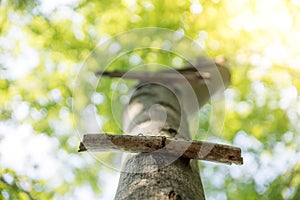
(44, 44)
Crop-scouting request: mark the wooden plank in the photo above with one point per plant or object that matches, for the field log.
(159, 144)
(162, 76)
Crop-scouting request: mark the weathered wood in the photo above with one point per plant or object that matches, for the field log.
(160, 144)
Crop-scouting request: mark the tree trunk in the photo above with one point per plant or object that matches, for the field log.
(154, 110)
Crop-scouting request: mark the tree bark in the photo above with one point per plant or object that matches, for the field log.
(154, 110)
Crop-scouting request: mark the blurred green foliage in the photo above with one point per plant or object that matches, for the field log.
(258, 39)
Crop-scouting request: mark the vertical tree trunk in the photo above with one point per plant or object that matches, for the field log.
(154, 110)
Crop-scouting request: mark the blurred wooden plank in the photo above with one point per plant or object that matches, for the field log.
(190, 74)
